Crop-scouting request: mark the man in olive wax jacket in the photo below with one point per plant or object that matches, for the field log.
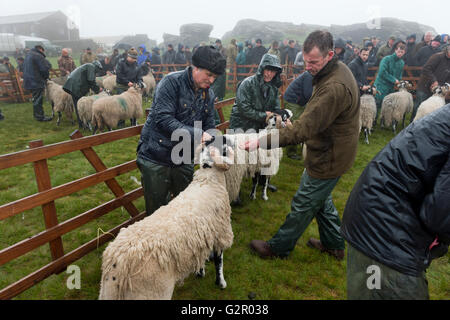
(330, 128)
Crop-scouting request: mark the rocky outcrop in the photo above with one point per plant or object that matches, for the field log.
(268, 31)
(195, 33)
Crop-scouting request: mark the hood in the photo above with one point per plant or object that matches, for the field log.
(273, 61)
(339, 44)
(180, 46)
(240, 46)
(143, 47)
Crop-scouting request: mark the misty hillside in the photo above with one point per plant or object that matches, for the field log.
(268, 31)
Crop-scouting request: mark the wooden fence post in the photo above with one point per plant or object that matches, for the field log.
(98, 165)
(49, 209)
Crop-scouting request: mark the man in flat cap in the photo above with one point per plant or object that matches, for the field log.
(181, 98)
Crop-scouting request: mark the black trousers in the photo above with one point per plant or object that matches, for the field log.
(38, 99)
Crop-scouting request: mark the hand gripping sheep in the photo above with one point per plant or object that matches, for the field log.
(396, 105)
(148, 258)
(436, 101)
(367, 112)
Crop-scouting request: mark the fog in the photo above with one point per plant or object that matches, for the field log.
(116, 18)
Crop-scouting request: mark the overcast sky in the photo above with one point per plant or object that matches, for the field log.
(111, 17)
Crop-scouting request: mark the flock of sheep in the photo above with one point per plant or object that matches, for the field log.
(147, 259)
(104, 109)
(396, 105)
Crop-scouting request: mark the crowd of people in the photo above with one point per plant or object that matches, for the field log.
(396, 217)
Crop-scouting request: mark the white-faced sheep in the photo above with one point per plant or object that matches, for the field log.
(150, 85)
(396, 105)
(60, 100)
(262, 164)
(367, 112)
(148, 258)
(109, 110)
(84, 106)
(436, 101)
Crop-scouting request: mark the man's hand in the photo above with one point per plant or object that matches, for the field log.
(364, 88)
(249, 145)
(130, 84)
(434, 85)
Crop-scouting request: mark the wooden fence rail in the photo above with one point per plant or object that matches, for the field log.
(38, 155)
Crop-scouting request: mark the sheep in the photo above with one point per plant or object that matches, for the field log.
(109, 110)
(395, 106)
(367, 112)
(436, 101)
(60, 100)
(261, 164)
(60, 80)
(84, 106)
(150, 83)
(147, 259)
(99, 80)
(109, 83)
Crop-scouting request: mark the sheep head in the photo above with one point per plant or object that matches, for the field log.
(403, 84)
(217, 152)
(278, 119)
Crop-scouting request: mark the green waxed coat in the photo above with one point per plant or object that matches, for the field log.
(81, 80)
(249, 110)
(391, 69)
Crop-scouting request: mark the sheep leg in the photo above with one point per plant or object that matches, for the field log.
(201, 273)
(394, 126)
(95, 129)
(404, 116)
(266, 180)
(255, 185)
(53, 109)
(59, 118)
(218, 262)
(366, 134)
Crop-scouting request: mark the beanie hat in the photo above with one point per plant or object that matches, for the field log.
(132, 53)
(208, 57)
(437, 38)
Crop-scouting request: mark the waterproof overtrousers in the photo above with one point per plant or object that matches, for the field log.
(312, 200)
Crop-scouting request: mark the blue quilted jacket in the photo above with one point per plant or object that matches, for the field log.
(175, 106)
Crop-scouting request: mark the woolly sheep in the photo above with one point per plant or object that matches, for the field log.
(109, 110)
(60, 100)
(150, 83)
(396, 105)
(109, 83)
(99, 80)
(436, 101)
(367, 112)
(148, 258)
(84, 106)
(60, 80)
(260, 163)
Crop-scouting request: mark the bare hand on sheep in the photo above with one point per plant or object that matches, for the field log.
(130, 84)
(268, 116)
(434, 85)
(249, 145)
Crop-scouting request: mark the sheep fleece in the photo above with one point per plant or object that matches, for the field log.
(148, 258)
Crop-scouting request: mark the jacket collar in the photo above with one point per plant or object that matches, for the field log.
(329, 67)
(38, 52)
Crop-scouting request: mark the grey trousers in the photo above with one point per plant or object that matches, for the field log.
(368, 279)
